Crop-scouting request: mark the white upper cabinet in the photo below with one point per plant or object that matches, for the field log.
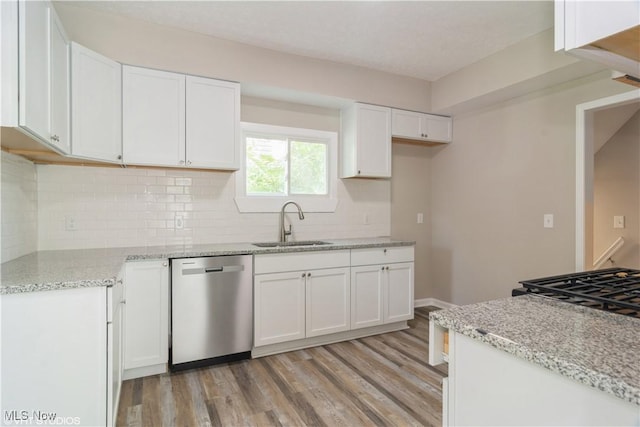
(175, 120)
(212, 124)
(420, 126)
(44, 74)
(96, 126)
(366, 141)
(607, 32)
(153, 116)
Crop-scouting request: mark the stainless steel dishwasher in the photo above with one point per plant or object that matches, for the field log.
(211, 310)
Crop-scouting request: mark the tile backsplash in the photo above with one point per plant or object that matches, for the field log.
(19, 207)
(89, 207)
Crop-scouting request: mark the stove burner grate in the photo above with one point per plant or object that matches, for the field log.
(612, 289)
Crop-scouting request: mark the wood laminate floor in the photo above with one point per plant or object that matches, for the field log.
(383, 380)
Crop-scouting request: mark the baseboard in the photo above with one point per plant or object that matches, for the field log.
(270, 349)
(434, 302)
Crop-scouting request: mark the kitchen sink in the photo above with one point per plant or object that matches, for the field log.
(290, 244)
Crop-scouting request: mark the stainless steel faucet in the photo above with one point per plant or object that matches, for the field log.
(283, 232)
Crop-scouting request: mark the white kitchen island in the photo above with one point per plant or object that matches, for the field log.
(531, 360)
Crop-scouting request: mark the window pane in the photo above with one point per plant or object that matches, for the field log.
(266, 166)
(308, 168)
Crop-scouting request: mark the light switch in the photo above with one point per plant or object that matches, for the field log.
(618, 221)
(548, 220)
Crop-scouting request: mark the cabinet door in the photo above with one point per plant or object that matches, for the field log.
(589, 21)
(153, 117)
(436, 128)
(212, 123)
(374, 141)
(54, 354)
(34, 67)
(279, 308)
(366, 296)
(328, 306)
(96, 126)
(406, 124)
(146, 314)
(59, 69)
(399, 292)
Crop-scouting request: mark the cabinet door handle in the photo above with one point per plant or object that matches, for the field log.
(382, 268)
(308, 274)
(119, 156)
(188, 162)
(387, 268)
(358, 172)
(181, 162)
(124, 301)
(164, 264)
(385, 251)
(304, 274)
(56, 138)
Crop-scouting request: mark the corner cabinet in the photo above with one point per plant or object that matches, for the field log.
(300, 295)
(174, 120)
(146, 318)
(366, 142)
(96, 127)
(43, 75)
(420, 126)
(381, 286)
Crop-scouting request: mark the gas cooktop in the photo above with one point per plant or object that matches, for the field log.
(613, 289)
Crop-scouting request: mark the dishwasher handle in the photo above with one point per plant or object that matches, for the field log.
(220, 269)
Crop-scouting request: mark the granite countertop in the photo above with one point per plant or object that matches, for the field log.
(597, 348)
(65, 269)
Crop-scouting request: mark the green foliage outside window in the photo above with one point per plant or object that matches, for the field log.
(279, 166)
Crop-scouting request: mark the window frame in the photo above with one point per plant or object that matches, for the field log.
(309, 203)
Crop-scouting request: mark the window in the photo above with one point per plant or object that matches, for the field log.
(282, 163)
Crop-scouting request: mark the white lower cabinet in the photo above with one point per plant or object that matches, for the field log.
(279, 308)
(319, 297)
(328, 298)
(115, 302)
(381, 286)
(56, 366)
(146, 322)
(310, 301)
(485, 387)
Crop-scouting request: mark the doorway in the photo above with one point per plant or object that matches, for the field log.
(585, 152)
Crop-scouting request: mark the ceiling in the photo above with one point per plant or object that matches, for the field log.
(423, 39)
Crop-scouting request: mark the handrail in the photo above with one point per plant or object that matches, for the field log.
(606, 255)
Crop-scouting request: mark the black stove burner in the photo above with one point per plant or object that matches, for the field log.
(612, 289)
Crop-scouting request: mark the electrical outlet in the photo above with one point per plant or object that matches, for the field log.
(420, 218)
(618, 221)
(70, 223)
(179, 222)
(548, 220)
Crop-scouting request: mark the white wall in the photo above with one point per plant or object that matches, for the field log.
(19, 207)
(616, 191)
(507, 166)
(410, 195)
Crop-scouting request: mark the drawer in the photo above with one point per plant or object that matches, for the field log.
(372, 256)
(298, 261)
